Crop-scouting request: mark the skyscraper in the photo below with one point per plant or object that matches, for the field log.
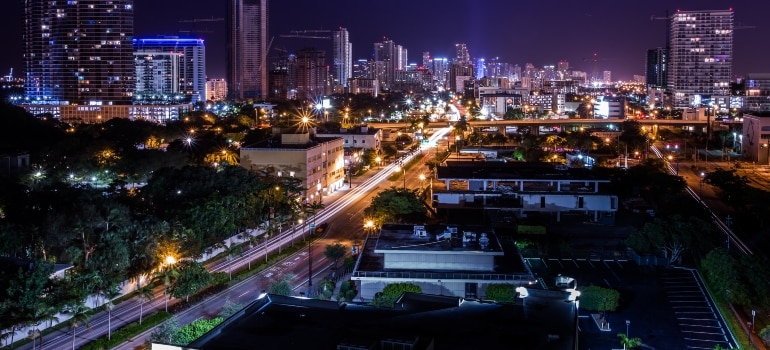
(247, 46)
(311, 73)
(79, 51)
(170, 66)
(657, 68)
(343, 56)
(385, 57)
(461, 54)
(700, 56)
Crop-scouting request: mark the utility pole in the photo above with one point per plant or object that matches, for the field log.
(309, 268)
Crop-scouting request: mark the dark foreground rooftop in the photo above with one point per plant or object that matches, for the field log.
(543, 320)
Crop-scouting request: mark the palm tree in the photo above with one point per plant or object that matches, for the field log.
(110, 293)
(144, 293)
(41, 313)
(167, 275)
(629, 343)
(81, 314)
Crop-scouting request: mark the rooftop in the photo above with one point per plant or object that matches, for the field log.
(514, 171)
(394, 238)
(437, 238)
(542, 320)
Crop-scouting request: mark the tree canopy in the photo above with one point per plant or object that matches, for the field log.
(670, 237)
(395, 204)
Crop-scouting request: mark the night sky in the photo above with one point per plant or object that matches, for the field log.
(540, 31)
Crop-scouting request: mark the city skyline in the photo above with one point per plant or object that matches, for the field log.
(534, 32)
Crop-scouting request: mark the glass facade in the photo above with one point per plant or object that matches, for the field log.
(169, 67)
(79, 51)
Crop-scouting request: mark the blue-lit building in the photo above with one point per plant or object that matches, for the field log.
(169, 69)
(79, 52)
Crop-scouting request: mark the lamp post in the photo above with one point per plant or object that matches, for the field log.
(422, 179)
(170, 261)
(457, 147)
(700, 184)
(294, 233)
(309, 268)
(628, 322)
(403, 173)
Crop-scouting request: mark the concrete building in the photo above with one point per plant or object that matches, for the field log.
(364, 86)
(170, 66)
(442, 260)
(216, 90)
(522, 188)
(497, 104)
(610, 107)
(317, 161)
(310, 74)
(755, 139)
(543, 320)
(700, 56)
(757, 97)
(358, 137)
(78, 52)
(76, 114)
(247, 45)
(390, 57)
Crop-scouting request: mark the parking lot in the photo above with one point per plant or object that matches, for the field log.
(667, 308)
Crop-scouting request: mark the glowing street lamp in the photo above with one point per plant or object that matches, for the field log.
(169, 262)
(403, 173)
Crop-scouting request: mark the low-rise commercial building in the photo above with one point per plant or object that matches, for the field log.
(522, 188)
(442, 260)
(318, 162)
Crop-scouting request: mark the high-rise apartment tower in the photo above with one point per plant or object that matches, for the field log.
(700, 56)
(79, 51)
(343, 56)
(247, 46)
(171, 66)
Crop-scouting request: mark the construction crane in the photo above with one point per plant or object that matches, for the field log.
(308, 34)
(194, 21)
(198, 20)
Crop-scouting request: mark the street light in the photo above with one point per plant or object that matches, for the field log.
(309, 268)
(170, 261)
(628, 322)
(700, 189)
(378, 160)
(403, 173)
(457, 147)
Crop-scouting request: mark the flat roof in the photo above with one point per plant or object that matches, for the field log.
(459, 239)
(514, 171)
(542, 320)
(507, 260)
(275, 143)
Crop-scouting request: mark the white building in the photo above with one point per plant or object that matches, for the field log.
(216, 90)
(94, 114)
(700, 56)
(442, 260)
(317, 161)
(522, 188)
(359, 137)
(755, 139)
(169, 66)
